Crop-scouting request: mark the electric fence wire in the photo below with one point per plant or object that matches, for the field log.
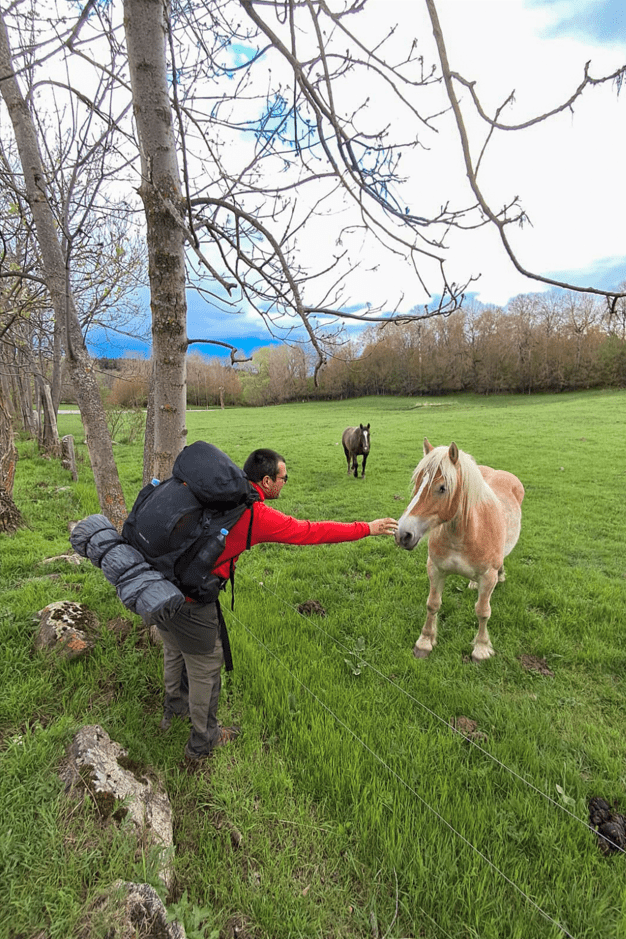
(442, 720)
(397, 776)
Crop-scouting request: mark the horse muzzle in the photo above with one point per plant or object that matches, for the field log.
(407, 538)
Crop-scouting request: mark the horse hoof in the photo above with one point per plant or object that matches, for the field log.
(421, 653)
(482, 655)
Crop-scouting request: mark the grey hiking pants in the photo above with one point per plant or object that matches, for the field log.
(193, 638)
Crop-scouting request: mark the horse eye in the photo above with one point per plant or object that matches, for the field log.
(442, 488)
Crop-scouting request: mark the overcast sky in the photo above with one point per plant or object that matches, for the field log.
(568, 174)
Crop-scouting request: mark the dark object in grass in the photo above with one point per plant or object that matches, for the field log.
(311, 606)
(534, 663)
(610, 825)
(467, 728)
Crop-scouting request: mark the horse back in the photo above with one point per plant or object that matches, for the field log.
(510, 493)
(347, 438)
(506, 485)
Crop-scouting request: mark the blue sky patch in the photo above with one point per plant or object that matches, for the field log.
(604, 20)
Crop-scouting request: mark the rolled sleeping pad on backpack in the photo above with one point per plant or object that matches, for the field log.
(140, 587)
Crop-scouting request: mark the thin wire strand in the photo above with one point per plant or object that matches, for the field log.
(402, 781)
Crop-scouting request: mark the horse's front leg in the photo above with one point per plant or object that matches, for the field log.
(363, 465)
(482, 644)
(428, 636)
(355, 467)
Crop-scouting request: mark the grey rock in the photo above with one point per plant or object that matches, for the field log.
(65, 628)
(121, 789)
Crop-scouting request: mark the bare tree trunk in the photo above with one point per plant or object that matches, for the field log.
(10, 517)
(24, 393)
(6, 385)
(8, 452)
(49, 432)
(57, 369)
(15, 379)
(110, 494)
(146, 25)
(148, 440)
(68, 456)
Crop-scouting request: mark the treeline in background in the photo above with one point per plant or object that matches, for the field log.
(549, 342)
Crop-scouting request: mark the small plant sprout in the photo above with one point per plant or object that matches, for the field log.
(356, 663)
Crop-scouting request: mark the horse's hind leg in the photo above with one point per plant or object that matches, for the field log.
(347, 453)
(428, 636)
(355, 466)
(482, 643)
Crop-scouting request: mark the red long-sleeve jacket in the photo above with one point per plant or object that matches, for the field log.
(271, 525)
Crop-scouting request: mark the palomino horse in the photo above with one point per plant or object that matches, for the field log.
(356, 442)
(473, 517)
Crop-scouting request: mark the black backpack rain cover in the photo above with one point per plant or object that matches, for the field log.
(175, 524)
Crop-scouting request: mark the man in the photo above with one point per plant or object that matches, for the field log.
(195, 639)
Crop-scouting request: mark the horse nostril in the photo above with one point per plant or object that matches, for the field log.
(404, 539)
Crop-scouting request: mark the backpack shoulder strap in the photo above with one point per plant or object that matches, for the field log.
(231, 573)
(249, 538)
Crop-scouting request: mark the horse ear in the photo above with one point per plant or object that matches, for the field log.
(361, 427)
(368, 427)
(427, 446)
(453, 453)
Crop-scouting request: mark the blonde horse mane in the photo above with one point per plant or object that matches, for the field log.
(465, 472)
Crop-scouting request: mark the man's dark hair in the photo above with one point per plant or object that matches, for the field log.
(262, 463)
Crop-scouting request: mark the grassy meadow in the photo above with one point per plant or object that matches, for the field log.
(370, 794)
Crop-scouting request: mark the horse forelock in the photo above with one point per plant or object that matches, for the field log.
(465, 473)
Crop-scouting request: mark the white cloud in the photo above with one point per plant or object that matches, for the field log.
(568, 172)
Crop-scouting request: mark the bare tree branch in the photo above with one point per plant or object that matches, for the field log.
(500, 219)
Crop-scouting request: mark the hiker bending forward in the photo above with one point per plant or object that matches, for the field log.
(196, 638)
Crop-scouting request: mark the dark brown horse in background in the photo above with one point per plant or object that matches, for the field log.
(356, 442)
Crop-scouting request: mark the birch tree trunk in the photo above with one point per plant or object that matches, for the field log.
(146, 25)
(110, 494)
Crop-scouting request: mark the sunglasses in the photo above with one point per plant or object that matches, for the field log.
(284, 478)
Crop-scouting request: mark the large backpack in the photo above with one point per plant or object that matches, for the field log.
(177, 524)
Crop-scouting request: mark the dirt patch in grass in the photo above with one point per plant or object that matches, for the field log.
(533, 663)
(312, 606)
(467, 727)
(239, 927)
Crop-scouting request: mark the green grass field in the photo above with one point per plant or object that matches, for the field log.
(362, 809)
